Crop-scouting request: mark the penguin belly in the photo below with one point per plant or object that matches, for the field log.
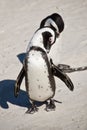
(40, 81)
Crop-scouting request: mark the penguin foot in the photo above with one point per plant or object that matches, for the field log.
(32, 109)
(50, 106)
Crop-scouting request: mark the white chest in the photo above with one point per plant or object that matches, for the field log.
(40, 87)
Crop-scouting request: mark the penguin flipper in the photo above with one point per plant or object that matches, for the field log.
(68, 69)
(19, 81)
(60, 74)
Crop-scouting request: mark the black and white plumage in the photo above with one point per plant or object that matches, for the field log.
(56, 23)
(39, 46)
(53, 21)
(40, 70)
(40, 82)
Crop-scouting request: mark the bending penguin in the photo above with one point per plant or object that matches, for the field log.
(56, 23)
(40, 70)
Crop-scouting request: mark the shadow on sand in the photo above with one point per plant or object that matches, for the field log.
(7, 91)
(7, 95)
(21, 57)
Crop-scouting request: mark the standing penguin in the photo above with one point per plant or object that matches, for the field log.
(53, 21)
(40, 70)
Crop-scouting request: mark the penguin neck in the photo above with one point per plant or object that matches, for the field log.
(37, 40)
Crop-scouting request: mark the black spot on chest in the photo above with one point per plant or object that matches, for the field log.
(40, 87)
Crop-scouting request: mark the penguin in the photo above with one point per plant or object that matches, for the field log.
(54, 21)
(40, 70)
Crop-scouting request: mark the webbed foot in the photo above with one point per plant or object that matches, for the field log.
(32, 109)
(50, 106)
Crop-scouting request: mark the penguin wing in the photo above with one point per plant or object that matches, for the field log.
(60, 74)
(68, 69)
(19, 81)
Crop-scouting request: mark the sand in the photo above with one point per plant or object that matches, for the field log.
(18, 21)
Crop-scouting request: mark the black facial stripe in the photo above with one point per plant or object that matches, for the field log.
(46, 35)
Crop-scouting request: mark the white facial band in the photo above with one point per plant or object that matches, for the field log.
(50, 21)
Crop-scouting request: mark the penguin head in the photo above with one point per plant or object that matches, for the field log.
(43, 38)
(54, 21)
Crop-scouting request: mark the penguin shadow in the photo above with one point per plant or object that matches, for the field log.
(21, 57)
(7, 92)
(7, 95)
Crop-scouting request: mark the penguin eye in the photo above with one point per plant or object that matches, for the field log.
(51, 40)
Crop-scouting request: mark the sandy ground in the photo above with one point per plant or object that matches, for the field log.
(18, 21)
